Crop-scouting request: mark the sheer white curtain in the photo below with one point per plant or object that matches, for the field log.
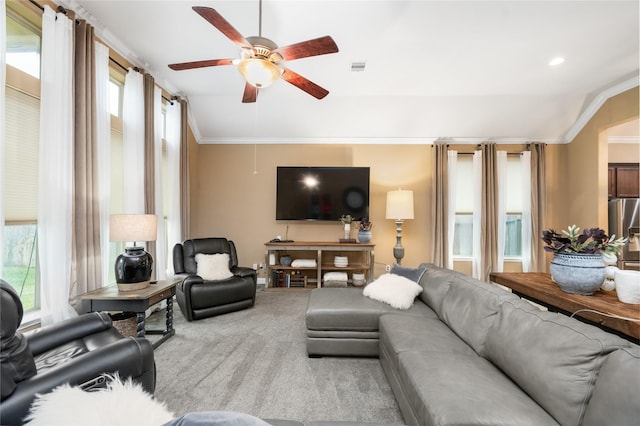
(133, 142)
(55, 195)
(525, 165)
(173, 126)
(103, 132)
(501, 157)
(452, 162)
(3, 49)
(161, 240)
(477, 215)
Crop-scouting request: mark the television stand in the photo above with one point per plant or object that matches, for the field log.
(361, 260)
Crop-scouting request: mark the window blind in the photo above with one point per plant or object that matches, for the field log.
(21, 156)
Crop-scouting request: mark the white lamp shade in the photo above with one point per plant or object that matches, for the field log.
(400, 204)
(133, 227)
(259, 72)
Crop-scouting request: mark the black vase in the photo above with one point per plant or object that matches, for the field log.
(133, 269)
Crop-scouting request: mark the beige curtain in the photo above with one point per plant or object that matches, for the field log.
(184, 171)
(440, 206)
(538, 205)
(86, 241)
(489, 212)
(149, 158)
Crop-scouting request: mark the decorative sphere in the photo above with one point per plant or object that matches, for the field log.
(608, 285)
(610, 271)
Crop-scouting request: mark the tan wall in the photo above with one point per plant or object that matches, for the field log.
(577, 172)
(624, 152)
(228, 199)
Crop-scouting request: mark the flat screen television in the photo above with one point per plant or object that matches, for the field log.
(321, 193)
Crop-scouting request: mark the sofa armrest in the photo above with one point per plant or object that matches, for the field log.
(188, 281)
(129, 357)
(46, 338)
(241, 271)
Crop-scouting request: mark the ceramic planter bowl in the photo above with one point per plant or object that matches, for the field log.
(578, 273)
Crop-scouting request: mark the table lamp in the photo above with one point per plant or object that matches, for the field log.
(133, 267)
(399, 208)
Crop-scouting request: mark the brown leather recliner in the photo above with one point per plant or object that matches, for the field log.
(199, 298)
(79, 351)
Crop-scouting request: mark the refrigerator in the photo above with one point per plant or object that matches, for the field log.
(624, 221)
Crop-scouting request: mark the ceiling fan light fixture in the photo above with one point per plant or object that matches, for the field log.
(259, 72)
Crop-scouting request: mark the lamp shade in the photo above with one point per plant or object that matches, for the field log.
(133, 227)
(400, 204)
(259, 72)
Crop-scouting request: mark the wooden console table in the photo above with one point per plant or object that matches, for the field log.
(110, 299)
(360, 256)
(540, 288)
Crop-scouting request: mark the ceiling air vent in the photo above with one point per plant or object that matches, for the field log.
(358, 66)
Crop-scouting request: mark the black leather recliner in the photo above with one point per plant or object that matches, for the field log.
(79, 351)
(199, 298)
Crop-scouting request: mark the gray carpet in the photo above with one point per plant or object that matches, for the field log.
(254, 361)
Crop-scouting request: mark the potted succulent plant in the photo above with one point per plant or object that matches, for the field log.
(364, 230)
(577, 265)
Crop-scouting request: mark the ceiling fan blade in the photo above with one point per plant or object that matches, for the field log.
(304, 84)
(304, 49)
(250, 94)
(200, 64)
(215, 19)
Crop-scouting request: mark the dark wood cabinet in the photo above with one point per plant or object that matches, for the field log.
(624, 180)
(612, 183)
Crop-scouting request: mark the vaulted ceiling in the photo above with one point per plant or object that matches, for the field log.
(466, 70)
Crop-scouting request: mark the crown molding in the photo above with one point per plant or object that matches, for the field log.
(624, 139)
(597, 103)
(427, 140)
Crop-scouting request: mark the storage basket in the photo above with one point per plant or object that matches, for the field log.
(126, 323)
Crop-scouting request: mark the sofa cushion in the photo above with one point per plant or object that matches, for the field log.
(414, 274)
(213, 267)
(396, 290)
(552, 357)
(346, 309)
(401, 333)
(470, 307)
(458, 389)
(617, 391)
(435, 281)
(406, 333)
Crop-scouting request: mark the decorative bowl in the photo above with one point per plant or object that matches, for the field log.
(578, 273)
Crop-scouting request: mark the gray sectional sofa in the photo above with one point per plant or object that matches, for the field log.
(471, 353)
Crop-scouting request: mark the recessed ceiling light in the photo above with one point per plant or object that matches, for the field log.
(556, 61)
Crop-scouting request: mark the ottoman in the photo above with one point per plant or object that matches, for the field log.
(343, 322)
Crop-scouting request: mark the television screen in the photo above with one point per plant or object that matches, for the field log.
(322, 193)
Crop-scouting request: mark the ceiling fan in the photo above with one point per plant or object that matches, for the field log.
(261, 61)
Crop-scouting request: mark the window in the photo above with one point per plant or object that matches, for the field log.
(463, 233)
(22, 131)
(513, 230)
(115, 98)
(23, 45)
(117, 184)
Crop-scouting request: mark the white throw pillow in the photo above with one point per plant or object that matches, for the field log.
(212, 267)
(120, 404)
(396, 290)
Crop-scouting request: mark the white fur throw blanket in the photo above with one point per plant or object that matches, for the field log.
(120, 404)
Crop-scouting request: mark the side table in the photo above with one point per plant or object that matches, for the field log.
(110, 299)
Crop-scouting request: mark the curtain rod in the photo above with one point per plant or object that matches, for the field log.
(63, 10)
